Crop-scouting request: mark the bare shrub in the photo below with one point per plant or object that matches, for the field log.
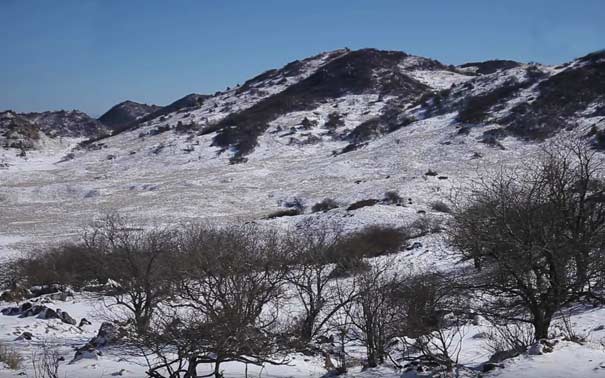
(434, 323)
(284, 213)
(325, 205)
(375, 312)
(46, 361)
(509, 339)
(67, 264)
(425, 225)
(392, 197)
(362, 203)
(441, 207)
(568, 331)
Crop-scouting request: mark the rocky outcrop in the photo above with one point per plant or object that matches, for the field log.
(108, 334)
(28, 309)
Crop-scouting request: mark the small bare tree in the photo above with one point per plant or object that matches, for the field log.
(315, 248)
(139, 261)
(375, 311)
(46, 361)
(226, 306)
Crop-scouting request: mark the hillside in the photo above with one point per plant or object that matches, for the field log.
(126, 113)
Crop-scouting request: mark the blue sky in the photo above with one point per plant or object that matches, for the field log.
(92, 54)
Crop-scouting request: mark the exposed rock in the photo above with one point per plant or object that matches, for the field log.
(25, 336)
(108, 334)
(65, 317)
(37, 291)
(415, 245)
(42, 311)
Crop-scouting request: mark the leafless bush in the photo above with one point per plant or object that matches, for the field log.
(375, 312)
(425, 225)
(434, 321)
(46, 361)
(68, 264)
(362, 203)
(392, 197)
(371, 241)
(313, 247)
(325, 205)
(568, 331)
(512, 338)
(441, 207)
(284, 213)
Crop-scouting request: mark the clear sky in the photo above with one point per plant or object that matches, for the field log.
(92, 54)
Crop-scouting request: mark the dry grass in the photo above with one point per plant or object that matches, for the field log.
(10, 357)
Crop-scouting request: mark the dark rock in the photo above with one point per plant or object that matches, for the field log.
(10, 311)
(49, 314)
(25, 336)
(65, 317)
(84, 322)
(25, 306)
(414, 245)
(33, 311)
(37, 291)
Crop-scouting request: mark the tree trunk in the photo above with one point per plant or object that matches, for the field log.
(191, 368)
(306, 331)
(217, 370)
(541, 324)
(371, 353)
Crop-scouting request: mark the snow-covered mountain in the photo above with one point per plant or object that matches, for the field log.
(345, 125)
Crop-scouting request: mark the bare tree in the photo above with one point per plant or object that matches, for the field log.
(537, 235)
